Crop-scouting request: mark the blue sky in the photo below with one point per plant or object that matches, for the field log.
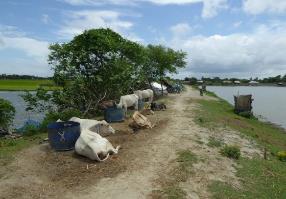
(241, 38)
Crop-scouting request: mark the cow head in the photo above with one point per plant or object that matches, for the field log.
(104, 127)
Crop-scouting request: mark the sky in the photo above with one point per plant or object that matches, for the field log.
(224, 38)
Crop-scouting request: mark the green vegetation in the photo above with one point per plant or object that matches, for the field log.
(231, 152)
(213, 142)
(21, 85)
(54, 116)
(98, 65)
(281, 155)
(181, 173)
(262, 179)
(7, 113)
(230, 81)
(219, 113)
(259, 178)
(9, 147)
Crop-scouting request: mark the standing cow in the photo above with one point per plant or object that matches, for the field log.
(148, 93)
(127, 101)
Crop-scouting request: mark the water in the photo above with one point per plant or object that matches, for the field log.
(19, 104)
(269, 102)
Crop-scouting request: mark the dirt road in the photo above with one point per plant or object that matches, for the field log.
(140, 167)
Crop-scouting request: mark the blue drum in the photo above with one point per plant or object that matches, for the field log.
(63, 135)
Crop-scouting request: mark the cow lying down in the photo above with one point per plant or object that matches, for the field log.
(90, 143)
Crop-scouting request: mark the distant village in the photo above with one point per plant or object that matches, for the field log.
(275, 81)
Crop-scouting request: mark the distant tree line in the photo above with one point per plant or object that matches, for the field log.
(217, 80)
(14, 76)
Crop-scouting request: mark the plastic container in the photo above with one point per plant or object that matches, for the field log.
(63, 135)
(141, 105)
(114, 114)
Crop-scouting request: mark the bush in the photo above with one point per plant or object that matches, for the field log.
(7, 113)
(30, 130)
(64, 116)
(231, 152)
(282, 155)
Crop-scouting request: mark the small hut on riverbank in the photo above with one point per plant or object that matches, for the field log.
(243, 104)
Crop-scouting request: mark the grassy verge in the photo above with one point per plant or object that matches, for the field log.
(30, 85)
(171, 188)
(9, 147)
(259, 178)
(219, 113)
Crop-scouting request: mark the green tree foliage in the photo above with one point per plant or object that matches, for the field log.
(7, 113)
(95, 65)
(100, 64)
(161, 60)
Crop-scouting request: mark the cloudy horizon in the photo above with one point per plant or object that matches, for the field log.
(224, 38)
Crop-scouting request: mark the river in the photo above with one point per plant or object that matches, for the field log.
(19, 104)
(269, 102)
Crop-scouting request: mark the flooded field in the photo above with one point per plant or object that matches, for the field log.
(19, 104)
(269, 102)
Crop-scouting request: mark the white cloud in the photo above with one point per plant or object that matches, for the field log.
(264, 6)
(45, 18)
(181, 29)
(33, 54)
(237, 24)
(258, 53)
(79, 21)
(210, 7)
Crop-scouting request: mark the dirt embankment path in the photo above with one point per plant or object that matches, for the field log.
(140, 167)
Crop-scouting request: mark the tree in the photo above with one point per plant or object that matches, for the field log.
(100, 64)
(193, 80)
(284, 78)
(95, 65)
(7, 113)
(160, 60)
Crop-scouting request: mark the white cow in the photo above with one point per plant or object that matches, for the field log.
(90, 143)
(127, 101)
(93, 146)
(148, 93)
(92, 124)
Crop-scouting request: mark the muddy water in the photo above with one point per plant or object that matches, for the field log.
(269, 102)
(19, 104)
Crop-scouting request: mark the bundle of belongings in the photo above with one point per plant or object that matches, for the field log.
(90, 143)
(139, 121)
(156, 106)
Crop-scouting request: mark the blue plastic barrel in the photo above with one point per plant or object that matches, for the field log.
(141, 104)
(63, 135)
(114, 114)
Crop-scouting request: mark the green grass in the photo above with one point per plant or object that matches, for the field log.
(21, 85)
(231, 152)
(213, 142)
(9, 147)
(215, 114)
(259, 179)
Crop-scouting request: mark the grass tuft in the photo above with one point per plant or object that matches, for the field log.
(231, 152)
(213, 142)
